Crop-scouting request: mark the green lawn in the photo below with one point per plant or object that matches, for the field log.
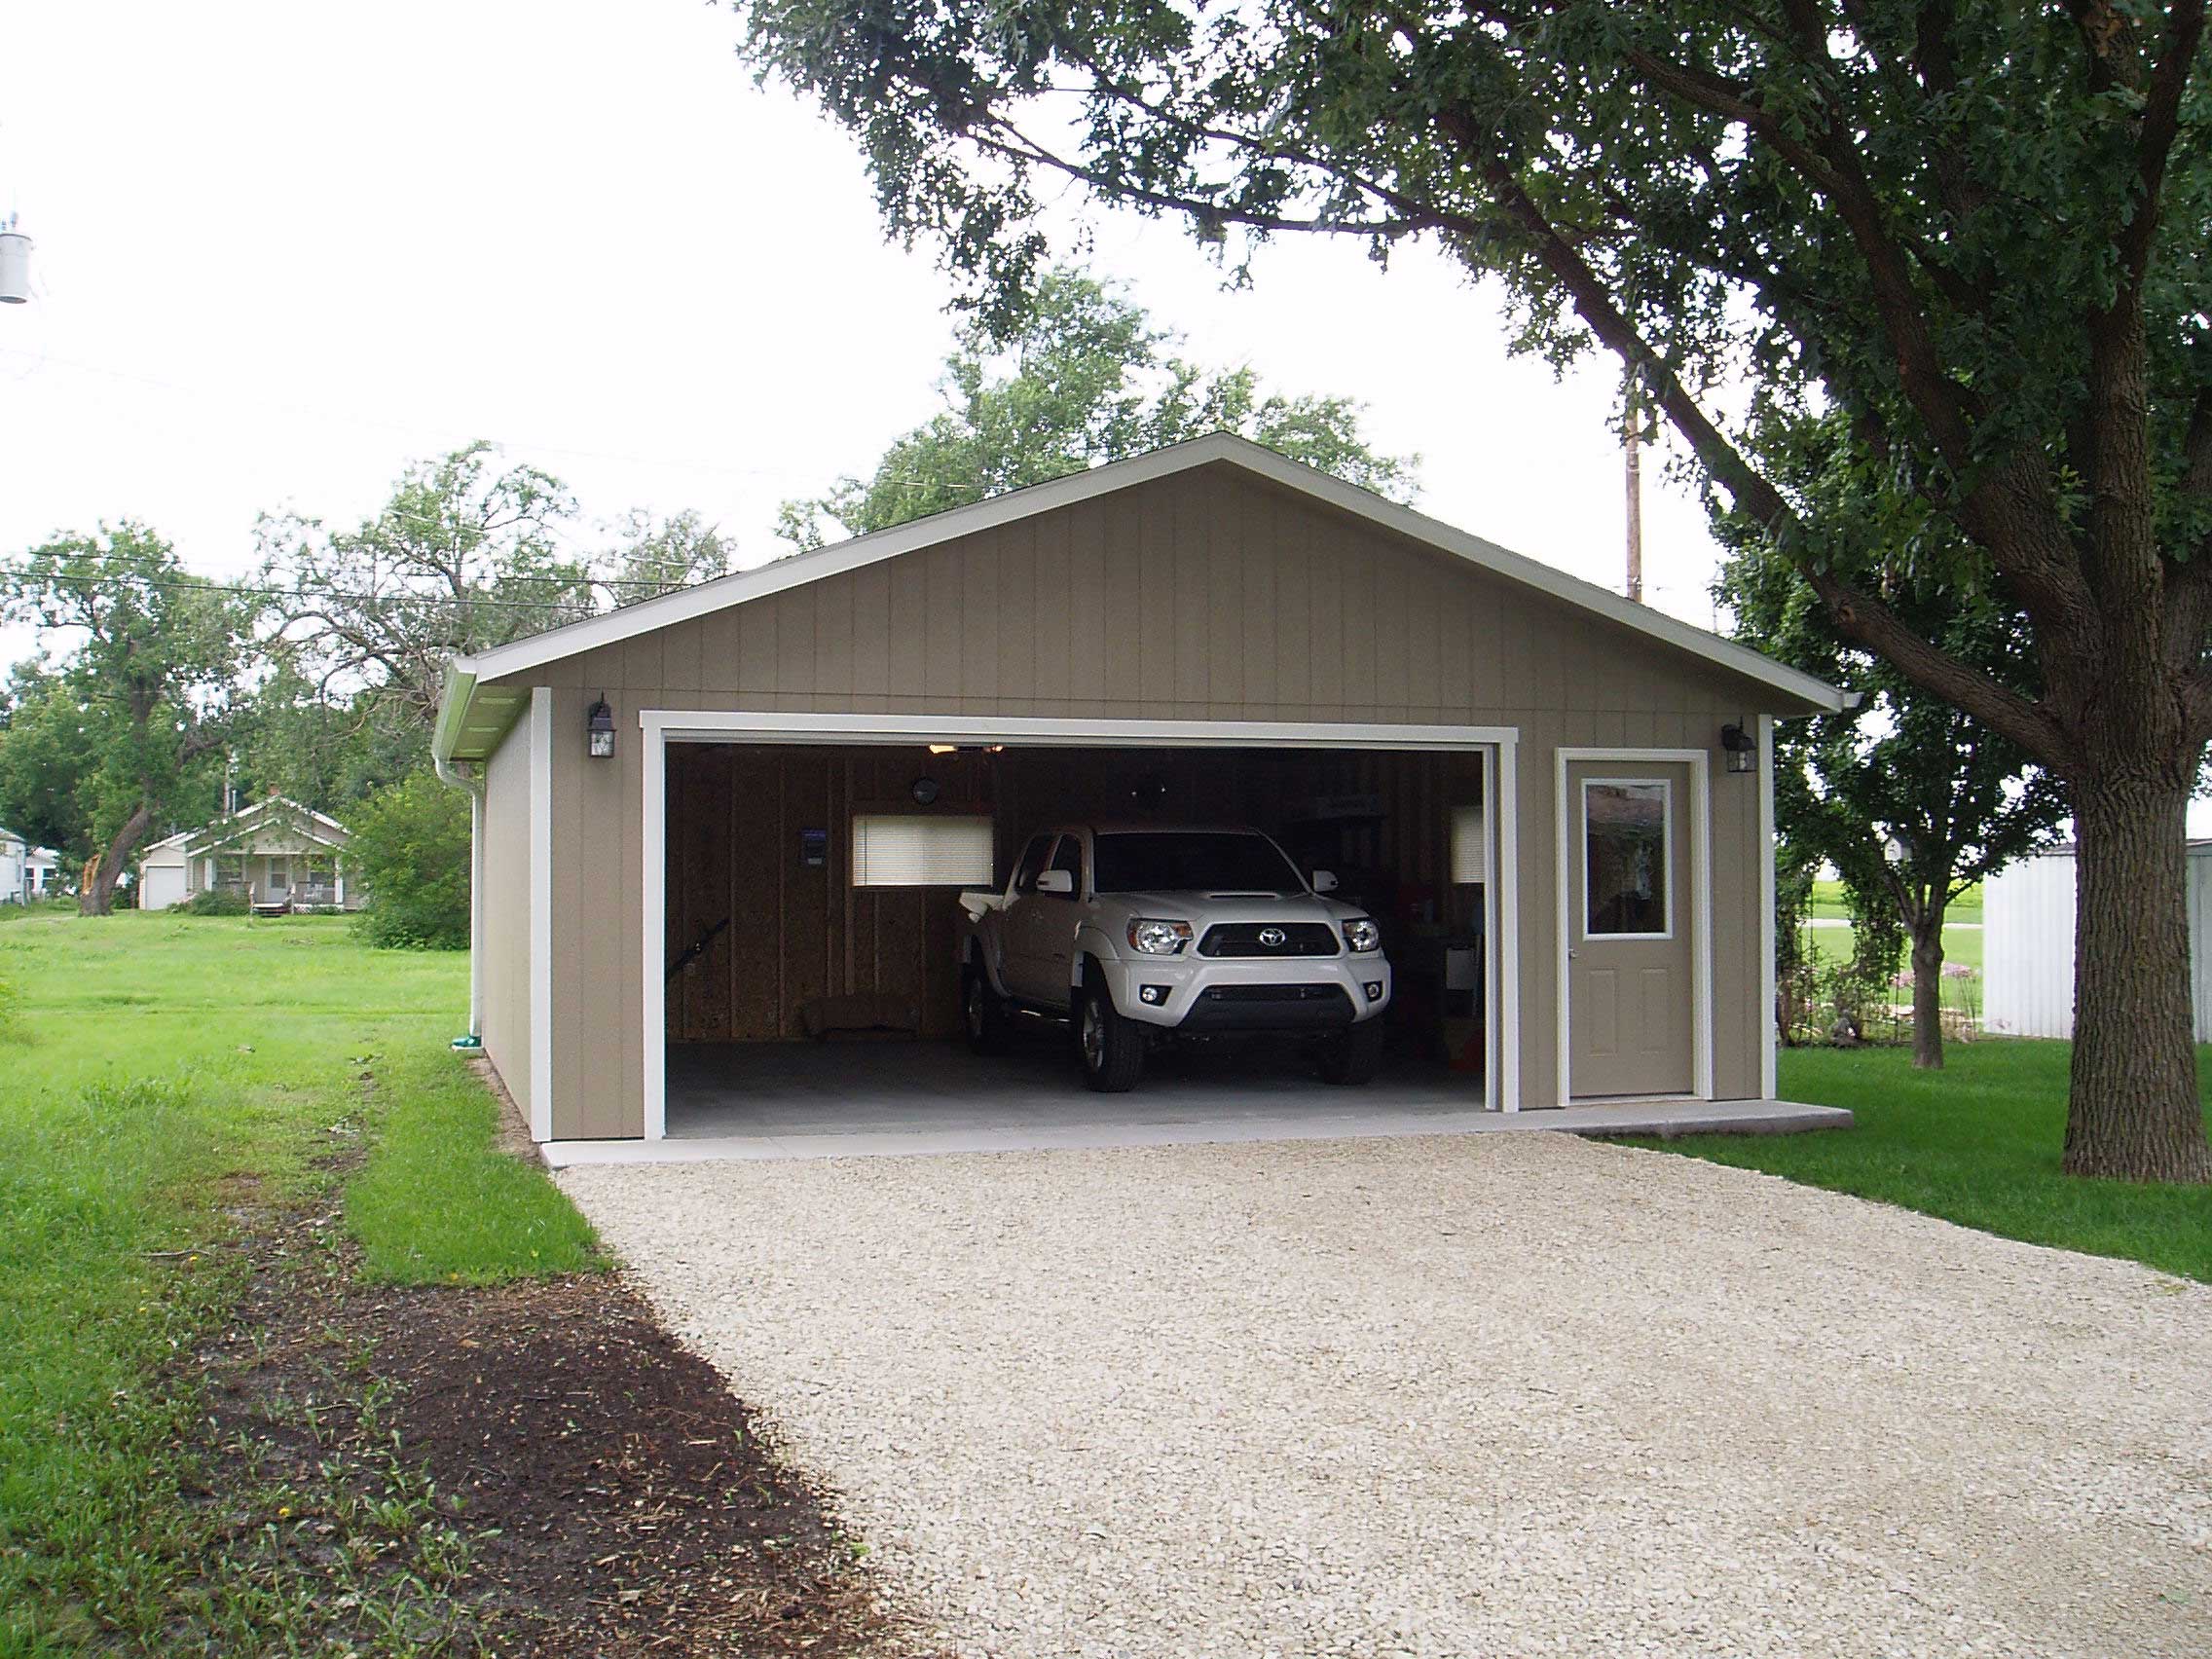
(1827, 902)
(159, 1078)
(1976, 1143)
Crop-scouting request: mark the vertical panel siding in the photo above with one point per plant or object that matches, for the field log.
(506, 943)
(2028, 945)
(1203, 595)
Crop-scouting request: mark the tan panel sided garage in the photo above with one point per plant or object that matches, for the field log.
(1559, 802)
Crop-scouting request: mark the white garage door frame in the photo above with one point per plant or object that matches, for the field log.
(1499, 745)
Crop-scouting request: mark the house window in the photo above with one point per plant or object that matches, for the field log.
(905, 850)
(1624, 837)
(1470, 846)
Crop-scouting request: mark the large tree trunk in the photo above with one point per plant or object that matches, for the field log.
(2134, 1111)
(1928, 993)
(98, 894)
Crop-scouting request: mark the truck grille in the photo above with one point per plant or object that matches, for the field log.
(1273, 993)
(1259, 938)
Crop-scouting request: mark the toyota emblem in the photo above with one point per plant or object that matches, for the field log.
(1274, 939)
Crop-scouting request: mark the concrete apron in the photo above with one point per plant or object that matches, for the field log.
(1067, 1117)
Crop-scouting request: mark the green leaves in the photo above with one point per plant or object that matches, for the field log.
(1079, 376)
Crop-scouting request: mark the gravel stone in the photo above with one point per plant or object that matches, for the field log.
(1486, 1394)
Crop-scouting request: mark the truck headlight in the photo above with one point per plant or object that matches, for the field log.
(1157, 937)
(1361, 934)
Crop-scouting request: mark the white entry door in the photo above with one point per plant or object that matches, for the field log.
(1632, 1006)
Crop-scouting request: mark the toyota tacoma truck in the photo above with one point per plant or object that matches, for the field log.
(1137, 935)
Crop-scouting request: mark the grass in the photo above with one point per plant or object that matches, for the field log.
(160, 1076)
(1827, 904)
(1976, 1143)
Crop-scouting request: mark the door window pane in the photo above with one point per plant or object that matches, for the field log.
(1067, 859)
(1624, 836)
(1032, 861)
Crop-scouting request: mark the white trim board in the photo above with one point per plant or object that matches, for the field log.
(1767, 998)
(662, 726)
(1700, 764)
(541, 913)
(464, 673)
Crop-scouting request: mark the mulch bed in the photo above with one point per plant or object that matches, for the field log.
(617, 1499)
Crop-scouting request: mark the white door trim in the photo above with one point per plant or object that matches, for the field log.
(541, 913)
(1502, 1072)
(1700, 898)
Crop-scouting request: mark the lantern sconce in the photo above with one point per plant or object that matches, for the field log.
(1740, 746)
(601, 726)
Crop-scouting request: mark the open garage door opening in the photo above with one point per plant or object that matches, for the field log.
(813, 941)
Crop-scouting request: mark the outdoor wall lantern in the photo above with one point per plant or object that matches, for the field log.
(1740, 746)
(601, 726)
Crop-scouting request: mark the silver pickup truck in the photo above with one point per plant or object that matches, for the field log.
(1138, 934)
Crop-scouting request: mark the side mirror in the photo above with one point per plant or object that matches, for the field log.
(1055, 881)
(1324, 881)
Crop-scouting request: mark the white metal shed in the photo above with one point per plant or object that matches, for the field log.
(2028, 944)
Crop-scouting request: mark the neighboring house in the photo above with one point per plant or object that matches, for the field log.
(1558, 803)
(42, 875)
(274, 853)
(14, 867)
(2027, 944)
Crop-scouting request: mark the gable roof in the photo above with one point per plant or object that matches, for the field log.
(317, 827)
(463, 673)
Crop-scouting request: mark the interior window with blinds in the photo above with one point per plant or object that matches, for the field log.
(1470, 846)
(908, 850)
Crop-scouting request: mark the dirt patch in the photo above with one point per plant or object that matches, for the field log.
(514, 1137)
(532, 1469)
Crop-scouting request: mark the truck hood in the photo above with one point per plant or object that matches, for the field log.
(1220, 907)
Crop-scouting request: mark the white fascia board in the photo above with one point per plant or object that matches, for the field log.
(453, 709)
(686, 604)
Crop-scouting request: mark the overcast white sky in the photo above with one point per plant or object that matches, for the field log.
(282, 249)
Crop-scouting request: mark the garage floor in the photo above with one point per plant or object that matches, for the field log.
(1450, 1395)
(863, 1087)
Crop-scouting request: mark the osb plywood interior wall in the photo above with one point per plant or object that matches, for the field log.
(800, 937)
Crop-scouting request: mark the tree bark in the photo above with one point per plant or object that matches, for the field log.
(2135, 1110)
(98, 896)
(1928, 992)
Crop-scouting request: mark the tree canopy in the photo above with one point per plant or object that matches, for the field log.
(1954, 249)
(1079, 376)
(1911, 800)
(141, 696)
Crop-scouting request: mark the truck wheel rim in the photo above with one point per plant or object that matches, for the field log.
(1093, 1037)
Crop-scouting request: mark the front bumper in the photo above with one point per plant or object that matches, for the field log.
(1330, 992)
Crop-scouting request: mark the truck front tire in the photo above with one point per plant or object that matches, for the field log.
(1354, 1055)
(982, 1013)
(1109, 1047)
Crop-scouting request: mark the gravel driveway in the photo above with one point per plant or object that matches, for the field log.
(1496, 1394)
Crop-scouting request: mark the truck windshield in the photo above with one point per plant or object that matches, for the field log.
(1191, 861)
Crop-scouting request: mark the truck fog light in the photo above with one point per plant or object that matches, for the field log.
(1374, 990)
(1154, 994)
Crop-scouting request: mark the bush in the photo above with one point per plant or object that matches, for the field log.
(213, 902)
(410, 854)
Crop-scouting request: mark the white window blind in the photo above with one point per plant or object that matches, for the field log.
(1470, 846)
(910, 850)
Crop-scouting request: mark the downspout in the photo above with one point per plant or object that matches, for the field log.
(460, 685)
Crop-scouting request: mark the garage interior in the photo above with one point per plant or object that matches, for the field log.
(813, 920)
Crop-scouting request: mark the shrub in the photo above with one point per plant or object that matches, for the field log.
(215, 902)
(410, 854)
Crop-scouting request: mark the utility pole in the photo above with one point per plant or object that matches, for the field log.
(1632, 444)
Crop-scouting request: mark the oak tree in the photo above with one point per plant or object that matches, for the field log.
(1954, 247)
